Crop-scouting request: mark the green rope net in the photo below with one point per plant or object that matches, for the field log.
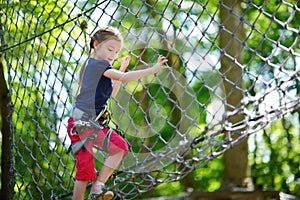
(229, 77)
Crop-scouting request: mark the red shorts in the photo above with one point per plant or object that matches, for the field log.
(85, 165)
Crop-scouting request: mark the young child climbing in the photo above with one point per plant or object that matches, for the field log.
(98, 82)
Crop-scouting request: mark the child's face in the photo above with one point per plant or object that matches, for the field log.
(107, 50)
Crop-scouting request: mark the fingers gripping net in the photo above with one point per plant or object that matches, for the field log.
(226, 81)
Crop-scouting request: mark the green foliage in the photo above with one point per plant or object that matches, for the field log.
(274, 157)
(40, 159)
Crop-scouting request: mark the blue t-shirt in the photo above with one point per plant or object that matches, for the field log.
(96, 89)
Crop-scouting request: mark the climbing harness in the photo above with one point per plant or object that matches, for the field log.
(84, 122)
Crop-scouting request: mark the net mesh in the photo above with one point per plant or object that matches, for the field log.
(212, 97)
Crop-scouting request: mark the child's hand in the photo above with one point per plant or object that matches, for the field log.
(161, 63)
(124, 63)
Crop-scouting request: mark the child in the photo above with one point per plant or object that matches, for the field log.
(96, 88)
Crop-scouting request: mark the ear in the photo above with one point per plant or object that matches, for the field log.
(96, 44)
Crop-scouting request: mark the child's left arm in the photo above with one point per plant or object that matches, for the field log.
(117, 84)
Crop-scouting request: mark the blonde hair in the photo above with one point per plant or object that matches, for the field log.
(101, 35)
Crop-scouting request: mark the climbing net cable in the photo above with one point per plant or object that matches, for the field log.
(234, 69)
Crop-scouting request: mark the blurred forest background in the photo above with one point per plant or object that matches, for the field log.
(39, 74)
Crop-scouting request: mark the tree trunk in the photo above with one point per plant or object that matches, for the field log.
(6, 156)
(236, 168)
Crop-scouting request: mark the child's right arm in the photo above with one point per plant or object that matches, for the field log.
(117, 84)
(138, 74)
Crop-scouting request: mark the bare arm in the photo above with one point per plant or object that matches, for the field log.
(117, 84)
(138, 74)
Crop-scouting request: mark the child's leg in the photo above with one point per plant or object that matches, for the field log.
(85, 170)
(110, 164)
(79, 190)
(118, 149)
